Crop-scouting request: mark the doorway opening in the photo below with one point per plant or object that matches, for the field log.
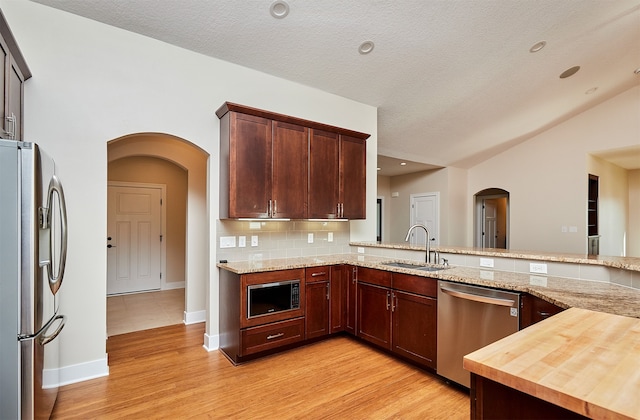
(491, 218)
(157, 189)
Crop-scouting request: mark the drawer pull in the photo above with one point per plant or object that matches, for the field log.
(271, 337)
(318, 274)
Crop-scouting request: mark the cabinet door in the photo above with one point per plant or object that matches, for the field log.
(374, 314)
(250, 166)
(353, 176)
(351, 322)
(533, 310)
(317, 309)
(13, 120)
(414, 327)
(290, 156)
(324, 170)
(338, 301)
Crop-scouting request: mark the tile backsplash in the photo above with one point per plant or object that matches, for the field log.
(279, 239)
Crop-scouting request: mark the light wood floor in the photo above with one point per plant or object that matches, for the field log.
(143, 311)
(165, 373)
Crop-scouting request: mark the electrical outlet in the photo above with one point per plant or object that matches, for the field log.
(254, 240)
(539, 268)
(242, 241)
(310, 238)
(330, 237)
(227, 242)
(538, 281)
(486, 262)
(360, 250)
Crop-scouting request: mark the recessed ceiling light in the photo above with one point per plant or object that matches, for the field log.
(537, 46)
(590, 91)
(279, 9)
(366, 47)
(403, 163)
(569, 72)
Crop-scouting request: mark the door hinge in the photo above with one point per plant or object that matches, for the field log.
(160, 238)
(160, 276)
(161, 201)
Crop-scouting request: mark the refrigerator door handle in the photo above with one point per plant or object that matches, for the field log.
(56, 187)
(49, 338)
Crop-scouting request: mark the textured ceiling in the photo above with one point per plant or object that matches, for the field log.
(453, 80)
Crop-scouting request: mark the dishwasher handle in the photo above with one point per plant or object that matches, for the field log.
(478, 298)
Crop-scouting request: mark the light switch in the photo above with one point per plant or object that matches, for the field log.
(310, 238)
(227, 242)
(254, 240)
(242, 241)
(330, 237)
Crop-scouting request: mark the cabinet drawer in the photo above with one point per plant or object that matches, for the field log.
(424, 286)
(271, 336)
(315, 274)
(377, 277)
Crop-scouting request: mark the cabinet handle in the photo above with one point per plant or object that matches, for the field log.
(355, 274)
(11, 132)
(394, 302)
(269, 209)
(275, 208)
(544, 314)
(327, 291)
(319, 274)
(388, 304)
(271, 337)
(341, 209)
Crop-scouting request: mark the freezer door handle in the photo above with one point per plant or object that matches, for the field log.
(55, 188)
(478, 298)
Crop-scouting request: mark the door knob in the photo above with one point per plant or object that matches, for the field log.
(108, 238)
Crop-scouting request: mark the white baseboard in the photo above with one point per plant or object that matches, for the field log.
(82, 371)
(194, 317)
(170, 285)
(211, 342)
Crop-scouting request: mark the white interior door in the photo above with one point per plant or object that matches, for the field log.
(425, 210)
(134, 232)
(490, 223)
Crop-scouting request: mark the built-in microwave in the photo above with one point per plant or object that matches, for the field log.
(271, 298)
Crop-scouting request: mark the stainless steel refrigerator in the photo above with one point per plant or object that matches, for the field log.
(33, 250)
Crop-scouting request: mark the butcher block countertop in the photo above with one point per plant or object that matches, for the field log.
(585, 361)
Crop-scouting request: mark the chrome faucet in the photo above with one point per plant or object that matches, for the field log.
(427, 258)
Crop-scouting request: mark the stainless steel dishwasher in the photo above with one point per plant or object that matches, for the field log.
(469, 318)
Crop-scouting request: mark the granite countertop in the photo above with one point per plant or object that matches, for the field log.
(627, 263)
(581, 360)
(563, 292)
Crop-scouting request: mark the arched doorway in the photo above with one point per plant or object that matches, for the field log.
(491, 219)
(176, 156)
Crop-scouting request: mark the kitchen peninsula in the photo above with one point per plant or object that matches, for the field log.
(588, 286)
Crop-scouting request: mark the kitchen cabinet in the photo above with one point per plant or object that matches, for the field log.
(398, 312)
(13, 73)
(277, 166)
(317, 302)
(339, 281)
(263, 167)
(244, 334)
(351, 322)
(533, 310)
(337, 176)
(374, 306)
(414, 317)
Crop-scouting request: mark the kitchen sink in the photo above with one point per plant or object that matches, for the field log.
(421, 267)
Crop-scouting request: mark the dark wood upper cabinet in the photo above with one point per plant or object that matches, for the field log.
(277, 166)
(13, 73)
(324, 174)
(353, 178)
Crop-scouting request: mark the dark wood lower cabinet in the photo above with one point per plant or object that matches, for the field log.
(414, 327)
(374, 314)
(533, 309)
(492, 400)
(317, 307)
(351, 288)
(338, 284)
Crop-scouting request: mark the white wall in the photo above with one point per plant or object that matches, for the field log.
(633, 234)
(547, 175)
(93, 83)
